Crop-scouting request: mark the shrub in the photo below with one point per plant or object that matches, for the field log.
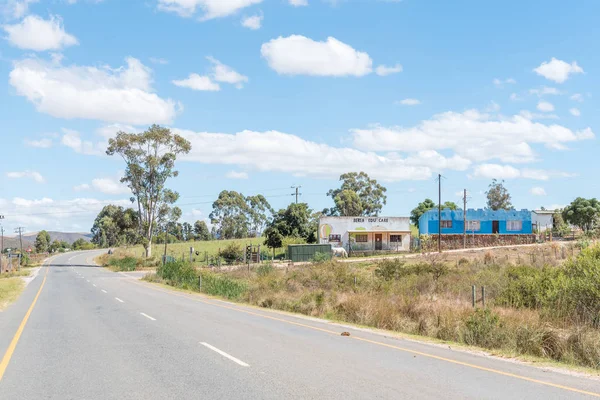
(320, 257)
(222, 285)
(390, 269)
(122, 264)
(264, 269)
(178, 273)
(232, 253)
(484, 328)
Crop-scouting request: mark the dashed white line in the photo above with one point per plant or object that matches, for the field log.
(119, 300)
(88, 281)
(147, 316)
(221, 352)
(104, 291)
(93, 284)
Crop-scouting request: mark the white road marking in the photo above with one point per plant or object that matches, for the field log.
(88, 280)
(221, 352)
(93, 284)
(104, 291)
(118, 299)
(147, 316)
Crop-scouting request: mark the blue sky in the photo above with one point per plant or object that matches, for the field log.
(275, 93)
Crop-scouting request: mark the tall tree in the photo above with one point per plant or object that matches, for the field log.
(201, 231)
(294, 221)
(421, 209)
(260, 212)
(371, 194)
(236, 216)
(498, 197)
(583, 213)
(115, 226)
(348, 203)
(150, 160)
(188, 231)
(42, 242)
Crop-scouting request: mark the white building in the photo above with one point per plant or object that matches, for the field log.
(542, 220)
(366, 233)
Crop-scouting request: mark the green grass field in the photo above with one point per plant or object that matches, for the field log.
(10, 289)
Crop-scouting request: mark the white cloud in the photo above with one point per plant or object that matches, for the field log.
(114, 95)
(558, 70)
(38, 34)
(537, 191)
(261, 151)
(409, 102)
(497, 171)
(72, 139)
(577, 97)
(492, 107)
(82, 187)
(158, 60)
(384, 70)
(253, 22)
(16, 8)
(500, 82)
(532, 116)
(110, 186)
(298, 3)
(544, 106)
(198, 82)
(472, 135)
(36, 176)
(226, 74)
(219, 73)
(41, 144)
(575, 112)
(236, 175)
(515, 97)
(299, 55)
(545, 90)
(211, 8)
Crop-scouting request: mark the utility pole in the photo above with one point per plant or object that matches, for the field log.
(465, 219)
(166, 240)
(20, 230)
(1, 245)
(297, 192)
(439, 213)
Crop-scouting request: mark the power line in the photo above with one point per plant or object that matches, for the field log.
(297, 193)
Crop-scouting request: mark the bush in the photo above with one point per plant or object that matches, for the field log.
(264, 269)
(25, 259)
(222, 285)
(232, 253)
(390, 269)
(178, 273)
(484, 328)
(122, 264)
(320, 257)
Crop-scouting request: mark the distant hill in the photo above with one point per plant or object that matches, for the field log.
(12, 242)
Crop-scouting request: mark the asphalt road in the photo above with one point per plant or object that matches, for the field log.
(95, 334)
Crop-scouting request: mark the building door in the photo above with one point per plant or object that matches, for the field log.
(378, 241)
(495, 227)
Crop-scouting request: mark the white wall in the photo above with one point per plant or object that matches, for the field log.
(384, 225)
(544, 221)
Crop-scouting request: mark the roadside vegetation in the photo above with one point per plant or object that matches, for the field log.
(547, 308)
(11, 286)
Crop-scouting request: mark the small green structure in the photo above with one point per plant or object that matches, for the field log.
(306, 252)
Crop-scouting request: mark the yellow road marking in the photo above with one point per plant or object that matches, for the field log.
(465, 364)
(13, 344)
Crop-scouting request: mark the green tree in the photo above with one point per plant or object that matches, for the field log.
(583, 213)
(260, 212)
(371, 194)
(150, 160)
(273, 238)
(498, 197)
(115, 226)
(421, 209)
(295, 221)
(236, 216)
(450, 205)
(201, 231)
(188, 231)
(82, 244)
(42, 242)
(348, 203)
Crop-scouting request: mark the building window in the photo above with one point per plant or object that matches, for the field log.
(514, 225)
(473, 225)
(362, 238)
(335, 238)
(446, 224)
(395, 238)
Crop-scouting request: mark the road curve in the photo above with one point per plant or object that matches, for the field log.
(95, 334)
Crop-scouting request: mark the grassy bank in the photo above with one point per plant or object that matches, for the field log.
(544, 308)
(10, 288)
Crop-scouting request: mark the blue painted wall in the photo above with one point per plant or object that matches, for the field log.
(428, 223)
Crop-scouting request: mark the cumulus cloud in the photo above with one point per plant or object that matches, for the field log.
(545, 106)
(558, 70)
(253, 22)
(384, 70)
(537, 191)
(501, 82)
(577, 97)
(236, 175)
(472, 135)
(261, 151)
(16, 8)
(497, 171)
(219, 73)
(299, 55)
(409, 102)
(38, 34)
(36, 176)
(114, 95)
(73, 140)
(211, 8)
(515, 97)
(575, 112)
(110, 186)
(544, 90)
(41, 143)
(298, 3)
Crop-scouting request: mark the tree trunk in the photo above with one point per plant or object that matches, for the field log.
(149, 250)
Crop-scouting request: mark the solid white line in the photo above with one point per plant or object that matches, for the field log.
(104, 291)
(93, 284)
(118, 299)
(147, 316)
(221, 352)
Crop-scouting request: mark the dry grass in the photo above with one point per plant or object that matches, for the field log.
(10, 289)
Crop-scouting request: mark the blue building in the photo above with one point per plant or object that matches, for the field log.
(483, 222)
